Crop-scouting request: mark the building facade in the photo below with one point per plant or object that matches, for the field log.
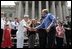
(33, 9)
(8, 11)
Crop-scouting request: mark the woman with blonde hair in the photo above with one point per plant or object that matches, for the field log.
(32, 33)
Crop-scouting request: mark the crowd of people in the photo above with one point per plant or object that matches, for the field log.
(50, 32)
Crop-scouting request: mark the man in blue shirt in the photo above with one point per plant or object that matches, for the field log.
(48, 22)
(47, 26)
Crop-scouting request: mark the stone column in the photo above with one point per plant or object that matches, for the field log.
(39, 9)
(67, 12)
(33, 9)
(26, 7)
(64, 13)
(53, 8)
(60, 11)
(22, 11)
(47, 5)
(19, 9)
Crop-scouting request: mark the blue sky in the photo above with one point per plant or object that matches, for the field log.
(12, 3)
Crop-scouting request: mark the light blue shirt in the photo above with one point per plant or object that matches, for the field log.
(47, 21)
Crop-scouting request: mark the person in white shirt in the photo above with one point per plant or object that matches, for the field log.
(22, 28)
(2, 22)
(8, 22)
(14, 26)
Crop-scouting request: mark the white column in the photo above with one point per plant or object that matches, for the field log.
(19, 9)
(22, 11)
(56, 10)
(64, 13)
(47, 5)
(16, 10)
(26, 7)
(33, 9)
(67, 12)
(39, 9)
(53, 8)
(60, 11)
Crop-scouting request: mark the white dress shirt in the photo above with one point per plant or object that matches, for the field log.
(13, 25)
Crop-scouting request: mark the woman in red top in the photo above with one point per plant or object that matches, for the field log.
(7, 42)
(60, 35)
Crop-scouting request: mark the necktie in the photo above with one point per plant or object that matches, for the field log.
(15, 24)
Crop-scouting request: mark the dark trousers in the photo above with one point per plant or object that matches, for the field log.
(68, 37)
(1, 34)
(59, 42)
(13, 32)
(51, 37)
(31, 39)
(42, 38)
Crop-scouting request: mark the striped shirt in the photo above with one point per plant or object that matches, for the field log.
(47, 21)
